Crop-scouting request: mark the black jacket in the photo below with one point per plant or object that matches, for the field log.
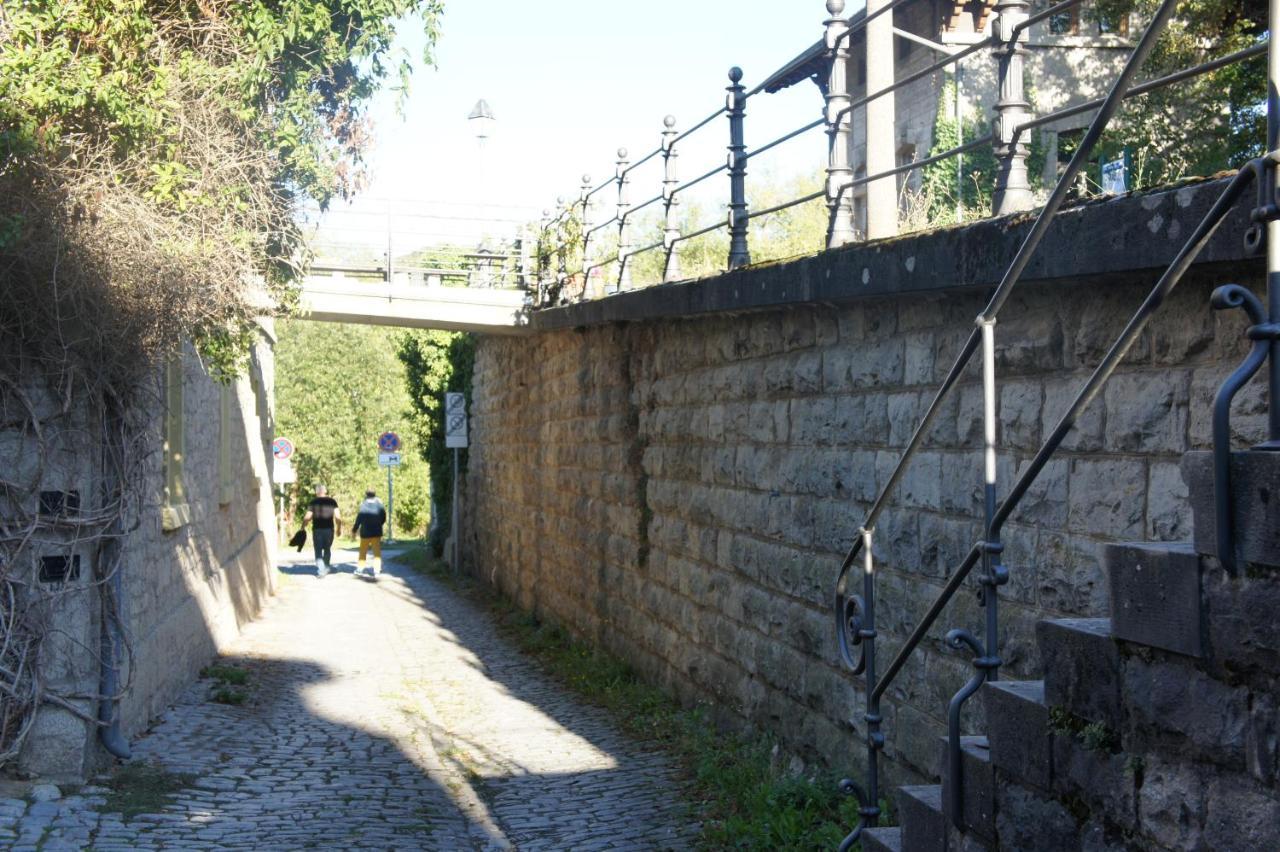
(370, 518)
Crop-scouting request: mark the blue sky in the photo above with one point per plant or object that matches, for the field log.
(572, 80)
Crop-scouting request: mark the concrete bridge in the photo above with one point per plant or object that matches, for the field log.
(327, 298)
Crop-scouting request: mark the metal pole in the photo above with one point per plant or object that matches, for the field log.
(456, 521)
(584, 198)
(959, 141)
(1273, 225)
(840, 229)
(539, 249)
(1012, 190)
(390, 262)
(882, 194)
(739, 254)
(671, 229)
(391, 503)
(870, 810)
(624, 230)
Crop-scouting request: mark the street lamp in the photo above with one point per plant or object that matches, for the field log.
(482, 120)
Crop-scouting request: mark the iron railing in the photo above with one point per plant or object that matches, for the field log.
(855, 613)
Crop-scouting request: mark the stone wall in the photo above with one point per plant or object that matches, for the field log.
(186, 586)
(682, 490)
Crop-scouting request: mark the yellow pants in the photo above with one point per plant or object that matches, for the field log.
(374, 544)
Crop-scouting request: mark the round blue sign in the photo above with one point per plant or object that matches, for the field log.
(389, 442)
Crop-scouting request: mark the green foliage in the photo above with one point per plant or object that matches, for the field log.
(1200, 126)
(949, 198)
(195, 124)
(436, 362)
(738, 790)
(229, 675)
(338, 388)
(142, 788)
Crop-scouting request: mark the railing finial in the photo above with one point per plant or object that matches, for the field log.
(835, 7)
(624, 205)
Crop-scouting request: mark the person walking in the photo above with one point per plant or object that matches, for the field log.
(368, 526)
(325, 519)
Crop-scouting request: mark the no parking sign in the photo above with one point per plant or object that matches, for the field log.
(455, 420)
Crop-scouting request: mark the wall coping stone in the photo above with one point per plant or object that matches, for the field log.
(1092, 241)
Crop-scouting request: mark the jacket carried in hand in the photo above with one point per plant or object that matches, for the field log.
(370, 519)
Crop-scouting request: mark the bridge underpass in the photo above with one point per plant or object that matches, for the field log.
(327, 298)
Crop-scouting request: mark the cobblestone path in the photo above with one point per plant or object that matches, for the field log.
(383, 715)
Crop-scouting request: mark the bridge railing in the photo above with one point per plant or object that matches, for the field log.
(578, 258)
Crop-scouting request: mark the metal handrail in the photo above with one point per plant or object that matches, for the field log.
(989, 546)
(1045, 14)
(785, 138)
(784, 205)
(951, 59)
(699, 126)
(1150, 85)
(698, 233)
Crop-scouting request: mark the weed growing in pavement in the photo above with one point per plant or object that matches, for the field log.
(143, 788)
(740, 795)
(229, 695)
(230, 675)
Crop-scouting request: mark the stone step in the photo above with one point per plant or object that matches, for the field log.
(882, 840)
(1255, 499)
(1018, 730)
(977, 777)
(1081, 667)
(1156, 597)
(924, 825)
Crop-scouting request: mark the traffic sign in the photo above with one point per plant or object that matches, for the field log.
(389, 459)
(455, 420)
(282, 448)
(389, 442)
(283, 472)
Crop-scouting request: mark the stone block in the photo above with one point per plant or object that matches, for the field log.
(1018, 730)
(924, 826)
(1019, 418)
(1240, 815)
(1081, 667)
(1243, 630)
(1168, 703)
(882, 840)
(1107, 496)
(1171, 805)
(1028, 820)
(1168, 503)
(1255, 493)
(1155, 596)
(978, 786)
(1103, 781)
(1147, 412)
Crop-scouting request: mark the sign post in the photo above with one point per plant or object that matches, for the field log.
(455, 437)
(283, 473)
(389, 457)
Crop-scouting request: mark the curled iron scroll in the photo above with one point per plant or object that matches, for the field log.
(849, 612)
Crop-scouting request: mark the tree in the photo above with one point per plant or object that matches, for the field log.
(1199, 126)
(436, 362)
(338, 388)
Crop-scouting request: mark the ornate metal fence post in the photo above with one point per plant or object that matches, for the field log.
(839, 128)
(739, 255)
(541, 258)
(1012, 191)
(670, 228)
(624, 230)
(584, 202)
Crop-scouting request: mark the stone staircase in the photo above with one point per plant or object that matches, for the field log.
(1157, 728)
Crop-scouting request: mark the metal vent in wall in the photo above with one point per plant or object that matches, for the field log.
(59, 504)
(59, 569)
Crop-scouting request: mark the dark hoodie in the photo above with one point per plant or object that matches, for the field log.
(370, 518)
